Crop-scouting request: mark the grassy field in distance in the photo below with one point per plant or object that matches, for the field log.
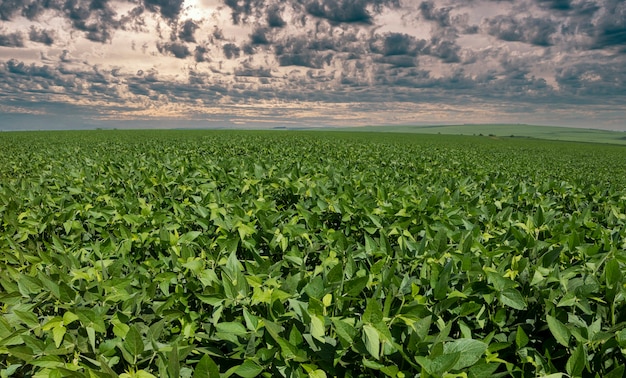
(508, 130)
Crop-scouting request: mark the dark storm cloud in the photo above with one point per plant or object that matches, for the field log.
(305, 51)
(96, 18)
(200, 54)
(20, 68)
(41, 36)
(248, 70)
(177, 49)
(598, 81)
(274, 17)
(561, 5)
(399, 44)
(231, 51)
(447, 51)
(536, 31)
(168, 9)
(242, 10)
(347, 11)
(440, 15)
(259, 36)
(187, 31)
(15, 39)
(611, 27)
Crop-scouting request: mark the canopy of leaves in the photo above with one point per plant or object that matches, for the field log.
(205, 254)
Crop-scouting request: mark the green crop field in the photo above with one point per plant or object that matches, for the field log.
(310, 254)
(509, 131)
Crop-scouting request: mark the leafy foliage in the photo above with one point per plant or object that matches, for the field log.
(204, 254)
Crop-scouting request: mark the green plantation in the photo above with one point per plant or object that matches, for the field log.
(310, 254)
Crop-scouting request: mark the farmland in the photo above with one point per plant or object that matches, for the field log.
(509, 131)
(310, 254)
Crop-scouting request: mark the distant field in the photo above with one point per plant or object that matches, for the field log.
(526, 131)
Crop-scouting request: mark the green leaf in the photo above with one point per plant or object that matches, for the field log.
(232, 327)
(317, 374)
(558, 330)
(355, 286)
(249, 369)
(613, 273)
(438, 365)
(618, 372)
(173, 363)
(57, 333)
(577, 361)
(513, 298)
(521, 339)
(28, 318)
(371, 340)
(206, 368)
(345, 331)
(373, 313)
(133, 342)
(189, 237)
(317, 327)
(469, 349)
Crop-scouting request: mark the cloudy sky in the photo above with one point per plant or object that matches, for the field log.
(93, 63)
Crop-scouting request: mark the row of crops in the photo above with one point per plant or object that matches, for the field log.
(293, 254)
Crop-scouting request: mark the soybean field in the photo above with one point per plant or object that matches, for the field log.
(180, 253)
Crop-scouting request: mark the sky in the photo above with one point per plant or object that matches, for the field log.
(305, 63)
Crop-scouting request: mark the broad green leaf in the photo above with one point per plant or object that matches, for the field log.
(134, 342)
(317, 374)
(577, 361)
(613, 273)
(469, 350)
(173, 363)
(440, 364)
(317, 327)
(373, 313)
(249, 369)
(345, 331)
(58, 332)
(513, 298)
(371, 340)
(355, 286)
(206, 368)
(232, 327)
(521, 339)
(558, 330)
(189, 237)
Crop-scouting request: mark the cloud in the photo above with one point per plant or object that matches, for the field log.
(95, 19)
(168, 9)
(177, 49)
(303, 51)
(536, 31)
(440, 15)
(529, 52)
(259, 36)
(611, 27)
(187, 30)
(15, 39)
(561, 5)
(251, 71)
(200, 54)
(231, 50)
(347, 11)
(242, 10)
(44, 36)
(274, 17)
